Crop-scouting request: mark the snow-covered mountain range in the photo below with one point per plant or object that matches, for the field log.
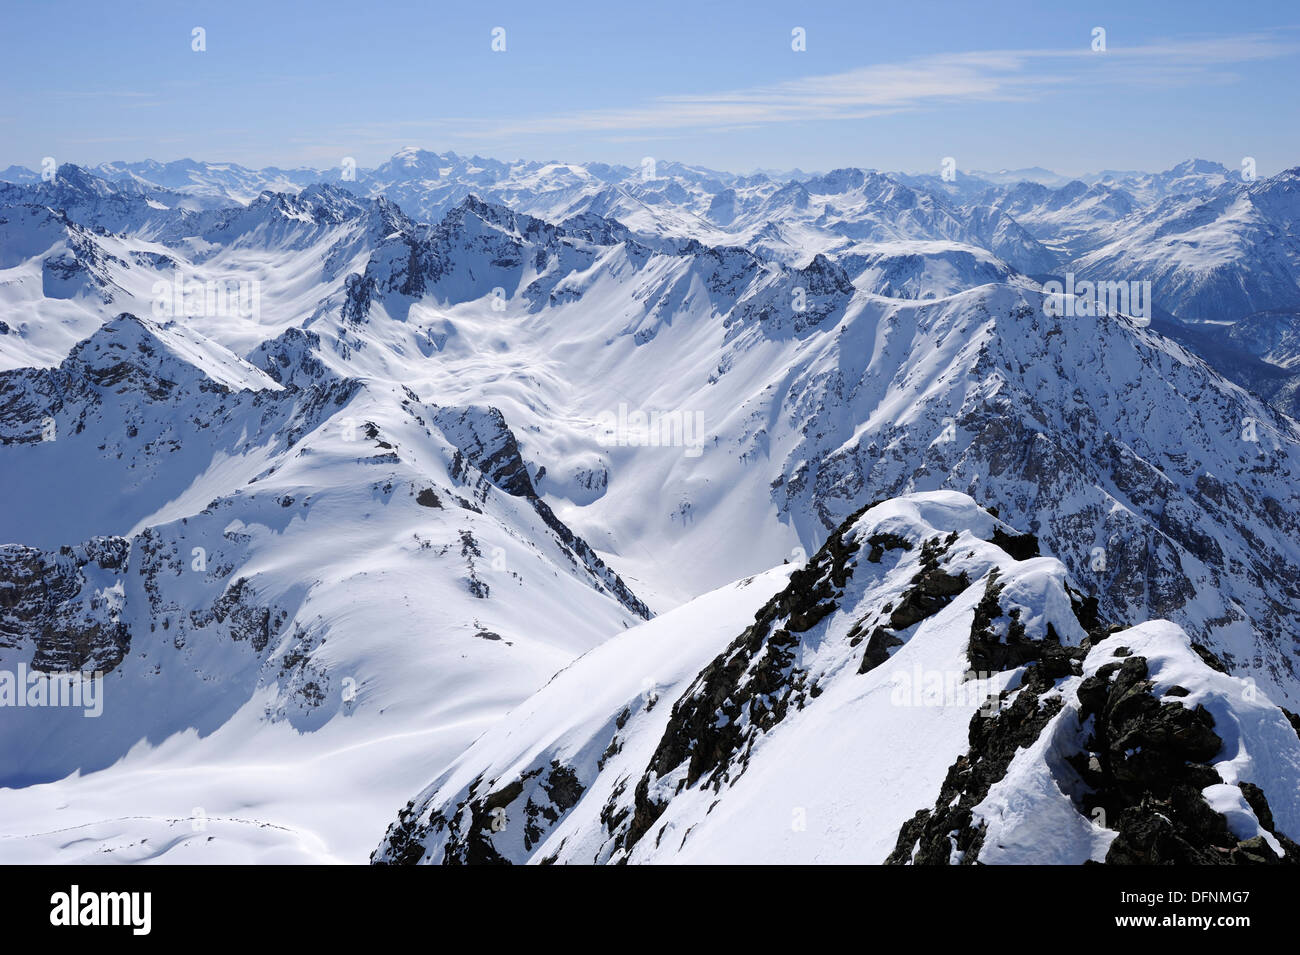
(494, 482)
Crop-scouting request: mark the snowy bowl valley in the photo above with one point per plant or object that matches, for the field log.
(463, 511)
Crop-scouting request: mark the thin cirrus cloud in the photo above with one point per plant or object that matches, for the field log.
(923, 82)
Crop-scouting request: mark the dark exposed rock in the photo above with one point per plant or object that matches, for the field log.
(1258, 803)
(1147, 768)
(755, 677)
(48, 603)
(878, 647)
(562, 787)
(991, 652)
(1019, 546)
(1146, 765)
(485, 442)
(882, 542)
(291, 358)
(1293, 719)
(247, 618)
(536, 800)
(932, 836)
(1180, 829)
(403, 841)
(1211, 661)
(482, 435)
(469, 549)
(931, 589)
(1143, 745)
(1087, 613)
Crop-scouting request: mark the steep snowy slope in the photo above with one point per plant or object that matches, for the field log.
(1257, 352)
(924, 270)
(1272, 336)
(56, 280)
(1212, 257)
(1142, 469)
(239, 275)
(206, 184)
(1070, 219)
(285, 584)
(1189, 177)
(1145, 472)
(924, 653)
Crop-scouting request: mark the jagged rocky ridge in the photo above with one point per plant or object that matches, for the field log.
(924, 649)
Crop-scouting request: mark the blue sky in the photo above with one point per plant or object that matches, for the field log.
(883, 85)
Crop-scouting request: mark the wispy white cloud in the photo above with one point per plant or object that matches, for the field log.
(887, 88)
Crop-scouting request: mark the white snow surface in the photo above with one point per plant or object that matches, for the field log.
(922, 361)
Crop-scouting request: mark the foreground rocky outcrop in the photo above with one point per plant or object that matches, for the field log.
(925, 690)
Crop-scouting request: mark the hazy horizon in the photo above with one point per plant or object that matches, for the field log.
(1009, 85)
(94, 164)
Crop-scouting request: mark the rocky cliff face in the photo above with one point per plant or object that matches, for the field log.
(64, 608)
(1161, 485)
